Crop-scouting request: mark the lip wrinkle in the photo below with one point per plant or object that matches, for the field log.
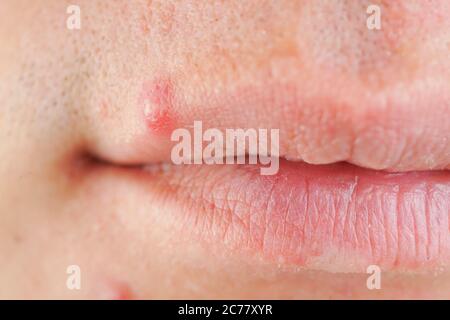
(427, 217)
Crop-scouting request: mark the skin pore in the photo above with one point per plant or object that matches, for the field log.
(81, 107)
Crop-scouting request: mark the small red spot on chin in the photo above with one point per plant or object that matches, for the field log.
(124, 293)
(114, 290)
(156, 101)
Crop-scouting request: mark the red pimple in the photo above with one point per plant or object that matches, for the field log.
(124, 293)
(114, 290)
(156, 101)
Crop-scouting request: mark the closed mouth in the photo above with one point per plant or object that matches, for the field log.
(362, 179)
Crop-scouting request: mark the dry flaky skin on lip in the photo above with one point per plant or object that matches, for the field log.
(336, 218)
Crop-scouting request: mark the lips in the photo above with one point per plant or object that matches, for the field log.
(334, 217)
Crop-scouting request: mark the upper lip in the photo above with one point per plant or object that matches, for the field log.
(382, 130)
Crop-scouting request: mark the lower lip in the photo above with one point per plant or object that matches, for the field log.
(337, 218)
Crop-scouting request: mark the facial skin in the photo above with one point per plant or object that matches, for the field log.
(73, 121)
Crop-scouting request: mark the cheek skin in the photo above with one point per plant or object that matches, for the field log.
(377, 58)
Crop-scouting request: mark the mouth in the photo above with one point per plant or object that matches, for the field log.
(354, 188)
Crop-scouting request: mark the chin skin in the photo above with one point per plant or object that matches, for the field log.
(114, 90)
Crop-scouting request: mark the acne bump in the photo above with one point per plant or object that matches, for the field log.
(156, 102)
(114, 290)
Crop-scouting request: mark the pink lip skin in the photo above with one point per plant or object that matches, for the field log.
(337, 218)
